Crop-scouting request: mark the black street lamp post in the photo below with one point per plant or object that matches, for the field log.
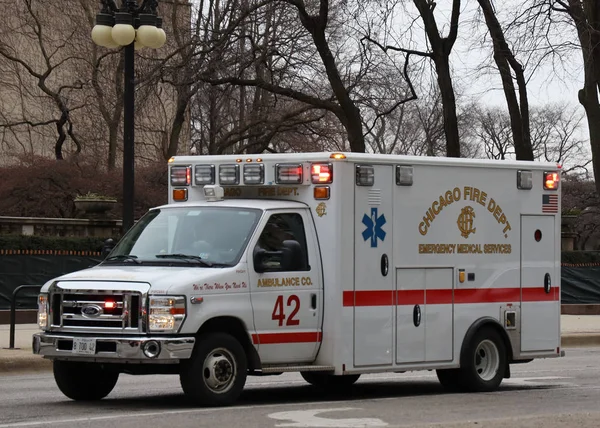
(132, 27)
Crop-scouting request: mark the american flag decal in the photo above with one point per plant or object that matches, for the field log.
(549, 203)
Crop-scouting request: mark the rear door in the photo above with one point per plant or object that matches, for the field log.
(287, 304)
(540, 291)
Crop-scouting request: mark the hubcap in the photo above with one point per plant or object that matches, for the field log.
(487, 360)
(219, 371)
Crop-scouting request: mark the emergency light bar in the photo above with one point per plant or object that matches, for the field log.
(288, 173)
(322, 173)
(229, 174)
(181, 175)
(254, 173)
(551, 180)
(204, 174)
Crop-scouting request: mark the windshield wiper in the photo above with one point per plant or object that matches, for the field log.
(188, 257)
(124, 258)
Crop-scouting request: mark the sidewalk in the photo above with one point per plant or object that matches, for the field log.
(577, 331)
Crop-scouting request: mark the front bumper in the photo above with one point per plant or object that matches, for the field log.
(116, 349)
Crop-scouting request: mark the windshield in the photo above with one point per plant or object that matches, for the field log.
(207, 236)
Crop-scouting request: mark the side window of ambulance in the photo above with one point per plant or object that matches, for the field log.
(280, 228)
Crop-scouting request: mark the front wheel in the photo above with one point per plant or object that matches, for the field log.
(329, 381)
(484, 363)
(216, 373)
(84, 381)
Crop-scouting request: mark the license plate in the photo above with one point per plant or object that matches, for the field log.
(83, 345)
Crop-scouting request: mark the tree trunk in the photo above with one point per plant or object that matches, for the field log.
(349, 114)
(441, 47)
(588, 30)
(444, 80)
(519, 116)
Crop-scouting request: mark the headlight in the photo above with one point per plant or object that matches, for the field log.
(166, 313)
(43, 311)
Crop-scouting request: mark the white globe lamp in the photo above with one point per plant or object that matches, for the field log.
(123, 32)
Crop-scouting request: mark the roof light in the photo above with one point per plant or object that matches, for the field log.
(204, 174)
(524, 180)
(171, 159)
(322, 173)
(254, 174)
(365, 175)
(229, 174)
(337, 156)
(288, 174)
(404, 175)
(551, 180)
(214, 193)
(181, 175)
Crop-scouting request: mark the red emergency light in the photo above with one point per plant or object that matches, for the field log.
(322, 173)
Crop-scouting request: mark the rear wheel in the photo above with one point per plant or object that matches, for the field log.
(216, 373)
(329, 381)
(484, 363)
(84, 381)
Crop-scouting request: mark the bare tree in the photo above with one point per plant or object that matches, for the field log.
(312, 64)
(41, 59)
(554, 135)
(560, 18)
(440, 48)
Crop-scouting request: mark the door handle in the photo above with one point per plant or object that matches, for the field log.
(547, 283)
(417, 315)
(313, 301)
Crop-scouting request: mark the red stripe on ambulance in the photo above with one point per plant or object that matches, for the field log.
(287, 337)
(446, 296)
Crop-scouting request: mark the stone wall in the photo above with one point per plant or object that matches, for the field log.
(64, 227)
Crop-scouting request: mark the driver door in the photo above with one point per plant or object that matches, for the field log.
(286, 289)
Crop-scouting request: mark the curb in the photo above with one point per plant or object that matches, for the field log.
(580, 340)
(21, 361)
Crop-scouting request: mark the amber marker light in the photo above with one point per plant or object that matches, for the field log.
(180, 194)
(321, 192)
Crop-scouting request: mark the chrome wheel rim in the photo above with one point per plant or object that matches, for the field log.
(219, 370)
(487, 360)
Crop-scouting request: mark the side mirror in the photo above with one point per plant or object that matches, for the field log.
(108, 246)
(259, 261)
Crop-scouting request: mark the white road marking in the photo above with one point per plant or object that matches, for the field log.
(309, 419)
(536, 381)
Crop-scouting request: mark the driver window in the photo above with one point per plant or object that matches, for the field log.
(280, 228)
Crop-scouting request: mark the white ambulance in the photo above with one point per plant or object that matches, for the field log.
(328, 264)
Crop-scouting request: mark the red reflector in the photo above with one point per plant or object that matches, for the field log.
(109, 305)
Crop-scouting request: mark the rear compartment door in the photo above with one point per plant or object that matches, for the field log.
(540, 285)
(373, 273)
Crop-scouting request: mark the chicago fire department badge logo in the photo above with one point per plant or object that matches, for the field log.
(465, 221)
(321, 209)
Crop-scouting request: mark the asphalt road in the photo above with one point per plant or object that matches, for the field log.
(551, 393)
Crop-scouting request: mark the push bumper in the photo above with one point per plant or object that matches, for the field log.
(116, 349)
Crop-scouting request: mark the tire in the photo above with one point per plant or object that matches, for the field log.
(84, 381)
(216, 373)
(329, 381)
(484, 362)
(450, 379)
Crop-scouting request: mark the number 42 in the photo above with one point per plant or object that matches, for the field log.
(279, 315)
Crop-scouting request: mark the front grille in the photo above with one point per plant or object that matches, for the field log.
(110, 311)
